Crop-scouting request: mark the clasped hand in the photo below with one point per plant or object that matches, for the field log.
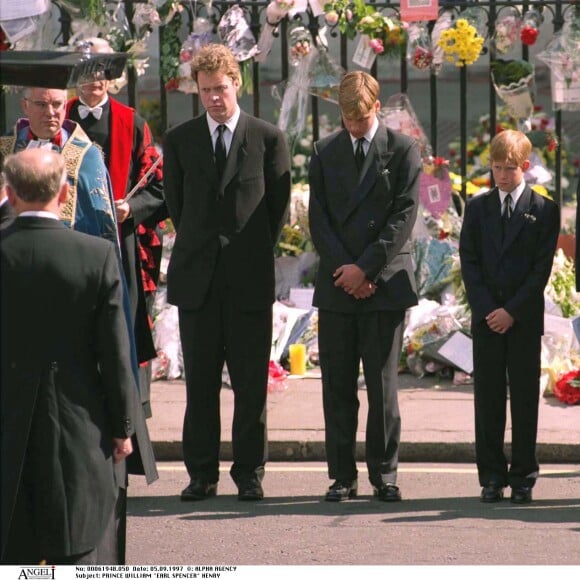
(499, 320)
(354, 281)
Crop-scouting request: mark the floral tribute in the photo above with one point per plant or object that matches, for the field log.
(530, 30)
(507, 31)
(387, 35)
(567, 388)
(461, 43)
(419, 51)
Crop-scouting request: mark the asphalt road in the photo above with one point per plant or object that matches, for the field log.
(440, 521)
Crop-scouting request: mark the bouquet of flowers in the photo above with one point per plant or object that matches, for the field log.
(507, 30)
(300, 42)
(561, 286)
(531, 22)
(567, 388)
(462, 43)
(419, 52)
(513, 82)
(201, 35)
(562, 55)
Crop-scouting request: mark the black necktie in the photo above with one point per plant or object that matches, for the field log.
(506, 213)
(359, 155)
(220, 150)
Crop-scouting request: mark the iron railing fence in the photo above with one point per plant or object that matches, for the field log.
(554, 12)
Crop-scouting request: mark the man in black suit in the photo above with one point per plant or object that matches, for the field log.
(67, 384)
(363, 204)
(506, 247)
(227, 187)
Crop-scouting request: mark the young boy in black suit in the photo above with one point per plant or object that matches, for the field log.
(506, 247)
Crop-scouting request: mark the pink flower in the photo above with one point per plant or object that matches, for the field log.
(377, 45)
(331, 17)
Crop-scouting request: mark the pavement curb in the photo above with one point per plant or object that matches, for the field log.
(412, 452)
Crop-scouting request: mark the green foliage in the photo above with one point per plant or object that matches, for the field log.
(506, 72)
(170, 47)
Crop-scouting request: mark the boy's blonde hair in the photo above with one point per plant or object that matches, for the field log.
(511, 146)
(357, 95)
(216, 58)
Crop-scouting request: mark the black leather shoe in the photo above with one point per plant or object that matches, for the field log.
(250, 490)
(198, 489)
(388, 492)
(341, 490)
(521, 495)
(491, 493)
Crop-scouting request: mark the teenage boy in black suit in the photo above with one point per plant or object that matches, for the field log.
(68, 388)
(363, 204)
(227, 188)
(506, 247)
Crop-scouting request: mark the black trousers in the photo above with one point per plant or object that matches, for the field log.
(512, 358)
(344, 340)
(220, 331)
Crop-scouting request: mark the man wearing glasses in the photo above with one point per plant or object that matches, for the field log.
(90, 207)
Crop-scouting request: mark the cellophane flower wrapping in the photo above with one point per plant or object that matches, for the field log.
(276, 11)
(325, 76)
(234, 31)
(444, 22)
(530, 28)
(429, 323)
(398, 114)
(293, 96)
(507, 30)
(513, 81)
(201, 35)
(419, 52)
(562, 55)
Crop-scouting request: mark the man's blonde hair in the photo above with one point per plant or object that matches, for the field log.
(35, 175)
(511, 146)
(216, 58)
(357, 95)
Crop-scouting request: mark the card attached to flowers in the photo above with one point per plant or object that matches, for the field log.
(364, 55)
(435, 189)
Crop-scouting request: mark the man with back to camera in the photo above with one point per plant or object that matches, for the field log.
(67, 379)
(89, 209)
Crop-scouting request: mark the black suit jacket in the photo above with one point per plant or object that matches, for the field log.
(67, 382)
(366, 220)
(6, 214)
(256, 181)
(514, 272)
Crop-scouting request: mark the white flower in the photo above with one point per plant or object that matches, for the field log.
(299, 160)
